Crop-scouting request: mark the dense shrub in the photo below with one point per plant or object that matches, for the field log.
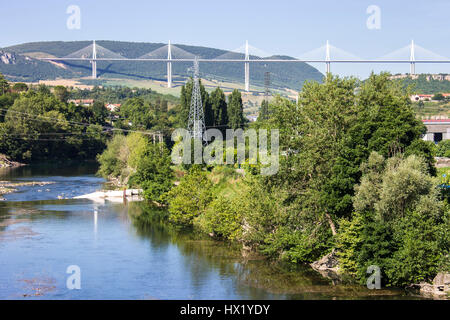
(443, 149)
(136, 162)
(153, 172)
(223, 218)
(190, 198)
(111, 161)
(399, 224)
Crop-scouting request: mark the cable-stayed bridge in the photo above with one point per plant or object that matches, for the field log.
(327, 54)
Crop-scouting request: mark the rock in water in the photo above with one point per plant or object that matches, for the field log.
(440, 287)
(327, 262)
(6, 163)
(328, 266)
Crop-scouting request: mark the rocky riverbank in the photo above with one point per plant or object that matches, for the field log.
(5, 162)
(328, 267)
(439, 289)
(114, 195)
(442, 162)
(7, 187)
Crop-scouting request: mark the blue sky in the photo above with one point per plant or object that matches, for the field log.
(285, 27)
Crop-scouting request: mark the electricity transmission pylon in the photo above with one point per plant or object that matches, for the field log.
(196, 123)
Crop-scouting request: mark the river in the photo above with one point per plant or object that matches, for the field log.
(121, 257)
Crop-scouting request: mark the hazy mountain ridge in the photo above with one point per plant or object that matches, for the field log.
(29, 69)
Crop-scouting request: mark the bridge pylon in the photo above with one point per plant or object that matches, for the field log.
(412, 67)
(94, 60)
(247, 68)
(327, 57)
(169, 66)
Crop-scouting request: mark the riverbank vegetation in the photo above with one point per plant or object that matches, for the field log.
(36, 125)
(358, 180)
(354, 178)
(134, 160)
(40, 123)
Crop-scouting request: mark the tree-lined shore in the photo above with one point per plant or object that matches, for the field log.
(355, 178)
(361, 184)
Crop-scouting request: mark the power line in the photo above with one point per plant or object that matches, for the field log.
(60, 139)
(68, 121)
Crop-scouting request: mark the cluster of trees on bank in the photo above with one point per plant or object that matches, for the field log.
(219, 113)
(135, 160)
(356, 178)
(120, 94)
(443, 149)
(38, 123)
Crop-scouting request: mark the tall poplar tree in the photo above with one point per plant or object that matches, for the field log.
(219, 108)
(235, 110)
(186, 95)
(264, 111)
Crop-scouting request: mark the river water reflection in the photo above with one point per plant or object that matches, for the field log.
(121, 256)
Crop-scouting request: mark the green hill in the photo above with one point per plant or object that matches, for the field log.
(425, 84)
(26, 68)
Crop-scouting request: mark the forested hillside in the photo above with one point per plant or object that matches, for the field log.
(283, 75)
(423, 86)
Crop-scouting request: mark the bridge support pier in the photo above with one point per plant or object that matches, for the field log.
(94, 69)
(247, 77)
(94, 60)
(412, 68)
(169, 66)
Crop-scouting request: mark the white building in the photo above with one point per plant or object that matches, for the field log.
(437, 130)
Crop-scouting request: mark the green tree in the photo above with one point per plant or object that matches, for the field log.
(399, 225)
(99, 113)
(164, 107)
(4, 85)
(235, 110)
(190, 198)
(6, 101)
(316, 131)
(326, 137)
(384, 122)
(153, 172)
(61, 93)
(27, 125)
(19, 87)
(438, 97)
(43, 89)
(264, 111)
(421, 104)
(443, 149)
(395, 190)
(137, 114)
(219, 108)
(114, 159)
(185, 101)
